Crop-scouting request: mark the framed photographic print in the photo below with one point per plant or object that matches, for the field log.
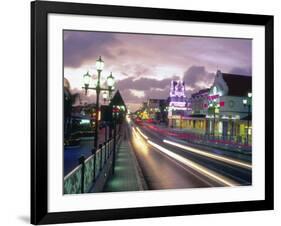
(144, 112)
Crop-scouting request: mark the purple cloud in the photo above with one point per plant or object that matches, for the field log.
(197, 77)
(81, 47)
(145, 64)
(144, 84)
(241, 71)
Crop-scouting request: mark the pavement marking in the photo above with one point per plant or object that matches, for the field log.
(210, 155)
(203, 170)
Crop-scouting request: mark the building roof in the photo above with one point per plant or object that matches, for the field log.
(200, 92)
(117, 100)
(155, 100)
(238, 85)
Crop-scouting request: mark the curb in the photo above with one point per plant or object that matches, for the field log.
(140, 178)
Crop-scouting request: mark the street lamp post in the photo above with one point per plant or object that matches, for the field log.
(104, 96)
(110, 83)
(96, 86)
(248, 102)
(214, 108)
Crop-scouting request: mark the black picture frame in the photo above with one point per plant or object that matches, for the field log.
(39, 111)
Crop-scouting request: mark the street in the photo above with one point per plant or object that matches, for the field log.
(169, 162)
(165, 165)
(159, 125)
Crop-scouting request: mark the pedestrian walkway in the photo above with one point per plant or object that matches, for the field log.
(127, 176)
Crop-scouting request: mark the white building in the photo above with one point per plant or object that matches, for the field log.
(221, 110)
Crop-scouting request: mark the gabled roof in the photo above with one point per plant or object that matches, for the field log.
(117, 100)
(238, 85)
(200, 92)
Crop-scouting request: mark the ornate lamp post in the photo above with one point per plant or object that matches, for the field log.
(110, 84)
(213, 108)
(96, 86)
(104, 97)
(248, 102)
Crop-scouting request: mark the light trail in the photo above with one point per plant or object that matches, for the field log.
(141, 133)
(201, 169)
(139, 143)
(195, 166)
(210, 155)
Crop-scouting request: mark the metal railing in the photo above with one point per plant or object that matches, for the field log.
(82, 178)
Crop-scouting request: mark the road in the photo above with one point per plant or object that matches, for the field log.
(168, 163)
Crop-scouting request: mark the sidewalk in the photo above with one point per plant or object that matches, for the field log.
(127, 176)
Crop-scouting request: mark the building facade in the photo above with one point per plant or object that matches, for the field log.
(224, 110)
(177, 104)
(195, 118)
(156, 109)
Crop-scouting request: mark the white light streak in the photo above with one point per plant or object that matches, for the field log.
(210, 155)
(141, 133)
(203, 170)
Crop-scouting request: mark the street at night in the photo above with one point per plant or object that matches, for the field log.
(165, 165)
(173, 124)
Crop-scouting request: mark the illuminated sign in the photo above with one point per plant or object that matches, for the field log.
(177, 104)
(84, 121)
(213, 97)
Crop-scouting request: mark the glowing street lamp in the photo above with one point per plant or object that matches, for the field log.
(99, 64)
(95, 85)
(110, 84)
(104, 96)
(110, 80)
(87, 80)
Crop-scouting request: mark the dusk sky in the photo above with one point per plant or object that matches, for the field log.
(144, 65)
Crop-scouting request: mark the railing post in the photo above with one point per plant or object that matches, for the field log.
(82, 162)
(107, 148)
(114, 147)
(94, 162)
(104, 152)
(100, 147)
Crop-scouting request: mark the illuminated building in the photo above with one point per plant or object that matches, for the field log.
(156, 109)
(177, 104)
(220, 110)
(197, 109)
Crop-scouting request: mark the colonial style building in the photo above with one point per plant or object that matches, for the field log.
(197, 109)
(224, 109)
